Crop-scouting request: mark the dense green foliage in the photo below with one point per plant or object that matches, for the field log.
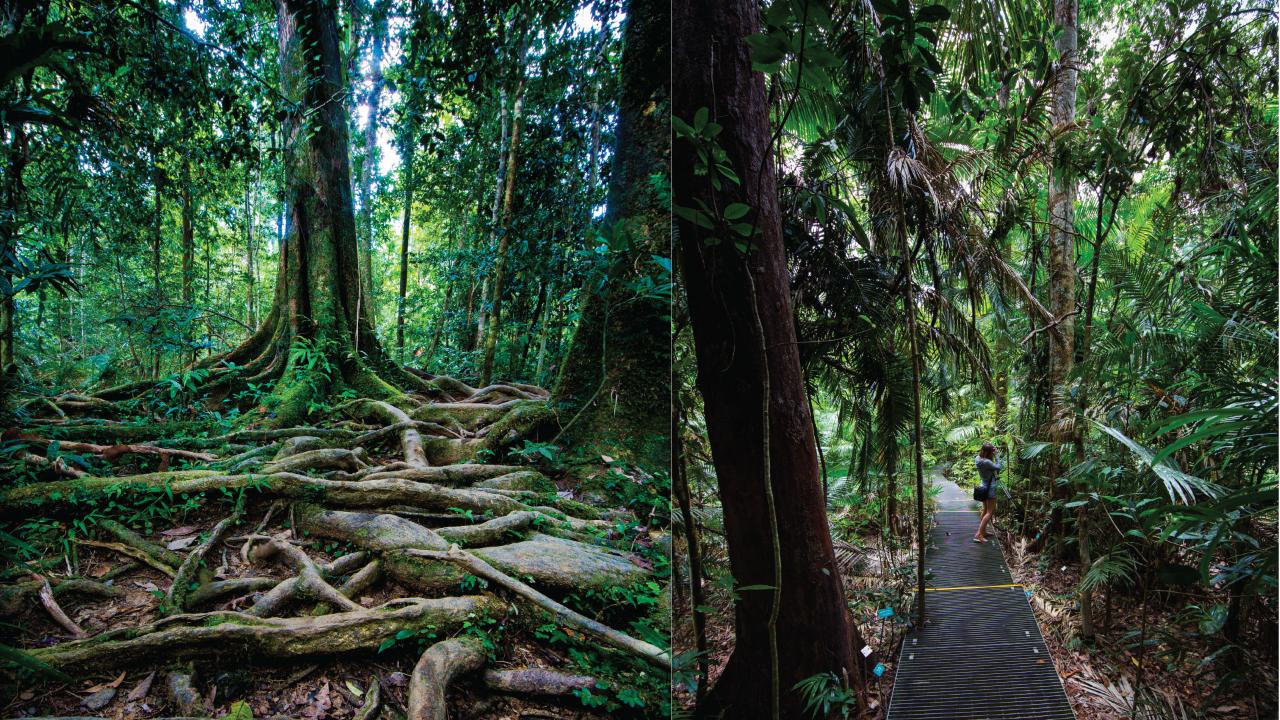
(925, 132)
(150, 134)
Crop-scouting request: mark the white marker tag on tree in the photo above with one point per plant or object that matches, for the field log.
(866, 651)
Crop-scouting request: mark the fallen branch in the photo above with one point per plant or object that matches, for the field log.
(111, 452)
(232, 634)
(562, 614)
(130, 552)
(127, 536)
(13, 598)
(372, 702)
(536, 681)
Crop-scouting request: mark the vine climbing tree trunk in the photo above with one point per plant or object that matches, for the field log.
(793, 623)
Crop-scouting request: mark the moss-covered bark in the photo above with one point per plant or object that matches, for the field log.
(616, 374)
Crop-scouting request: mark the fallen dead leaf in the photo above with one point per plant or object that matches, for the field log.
(319, 703)
(99, 570)
(99, 699)
(142, 688)
(180, 531)
(103, 686)
(182, 543)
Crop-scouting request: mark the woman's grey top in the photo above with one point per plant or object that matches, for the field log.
(988, 470)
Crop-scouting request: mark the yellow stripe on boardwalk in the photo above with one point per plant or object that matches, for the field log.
(974, 587)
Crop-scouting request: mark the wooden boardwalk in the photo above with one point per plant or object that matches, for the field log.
(980, 654)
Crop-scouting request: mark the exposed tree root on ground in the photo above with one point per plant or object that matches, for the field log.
(366, 536)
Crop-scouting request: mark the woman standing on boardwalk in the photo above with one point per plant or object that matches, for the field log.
(988, 468)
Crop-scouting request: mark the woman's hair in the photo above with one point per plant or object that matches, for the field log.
(988, 451)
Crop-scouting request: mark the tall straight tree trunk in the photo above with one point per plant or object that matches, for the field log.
(740, 308)
(498, 183)
(188, 251)
(404, 243)
(19, 154)
(369, 168)
(504, 237)
(188, 237)
(1062, 257)
(408, 146)
(251, 271)
(157, 293)
(544, 332)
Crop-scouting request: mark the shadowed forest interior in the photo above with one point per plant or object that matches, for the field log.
(906, 229)
(334, 340)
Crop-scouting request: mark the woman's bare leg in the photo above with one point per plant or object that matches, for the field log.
(982, 523)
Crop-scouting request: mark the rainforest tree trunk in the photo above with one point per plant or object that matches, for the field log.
(740, 309)
(404, 245)
(157, 291)
(614, 381)
(1062, 258)
(251, 271)
(408, 144)
(499, 177)
(316, 308)
(369, 168)
(13, 200)
(504, 236)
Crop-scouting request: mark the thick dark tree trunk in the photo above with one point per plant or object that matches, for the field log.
(614, 383)
(18, 155)
(748, 363)
(317, 308)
